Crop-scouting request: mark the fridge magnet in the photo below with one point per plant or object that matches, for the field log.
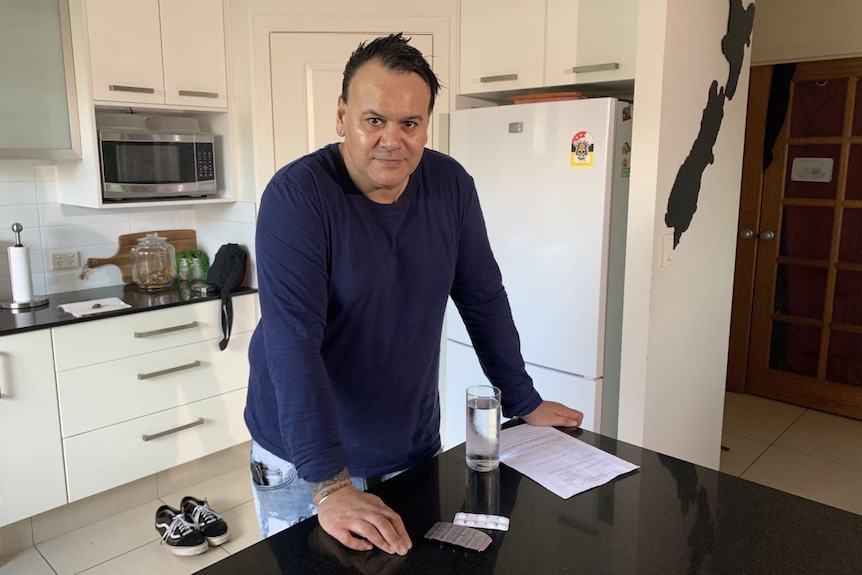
(626, 166)
(582, 151)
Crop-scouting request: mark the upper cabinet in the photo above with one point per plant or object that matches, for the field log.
(502, 44)
(522, 44)
(38, 99)
(163, 52)
(590, 41)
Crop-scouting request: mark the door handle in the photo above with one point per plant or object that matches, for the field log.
(747, 234)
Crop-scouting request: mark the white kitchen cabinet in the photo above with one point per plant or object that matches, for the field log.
(38, 99)
(590, 41)
(163, 52)
(110, 456)
(502, 45)
(32, 479)
(143, 392)
(511, 45)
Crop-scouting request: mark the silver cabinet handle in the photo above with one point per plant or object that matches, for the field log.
(195, 423)
(139, 334)
(767, 235)
(195, 363)
(138, 89)
(746, 234)
(195, 94)
(500, 78)
(596, 67)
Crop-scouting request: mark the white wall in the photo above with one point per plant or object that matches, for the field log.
(800, 30)
(676, 318)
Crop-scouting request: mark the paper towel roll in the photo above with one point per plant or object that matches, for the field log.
(19, 272)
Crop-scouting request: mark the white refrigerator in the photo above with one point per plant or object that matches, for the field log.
(552, 180)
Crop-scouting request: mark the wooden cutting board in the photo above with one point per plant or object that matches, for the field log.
(180, 239)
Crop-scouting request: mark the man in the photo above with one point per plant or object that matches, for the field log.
(359, 245)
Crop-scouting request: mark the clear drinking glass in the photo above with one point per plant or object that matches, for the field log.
(483, 427)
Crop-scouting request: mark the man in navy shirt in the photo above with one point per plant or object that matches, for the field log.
(358, 247)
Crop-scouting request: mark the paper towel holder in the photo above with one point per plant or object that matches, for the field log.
(35, 300)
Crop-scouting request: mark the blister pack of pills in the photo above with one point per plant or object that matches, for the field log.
(482, 521)
(459, 535)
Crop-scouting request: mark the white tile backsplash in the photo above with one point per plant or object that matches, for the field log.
(29, 194)
(17, 193)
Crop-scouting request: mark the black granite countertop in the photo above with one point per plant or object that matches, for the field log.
(49, 315)
(668, 517)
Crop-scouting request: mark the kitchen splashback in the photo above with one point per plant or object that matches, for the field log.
(29, 194)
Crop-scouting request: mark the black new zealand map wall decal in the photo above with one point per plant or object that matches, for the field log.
(682, 203)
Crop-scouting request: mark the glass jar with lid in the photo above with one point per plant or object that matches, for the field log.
(153, 262)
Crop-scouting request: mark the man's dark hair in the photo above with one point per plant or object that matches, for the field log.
(394, 53)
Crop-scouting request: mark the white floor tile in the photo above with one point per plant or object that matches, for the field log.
(835, 421)
(742, 453)
(244, 528)
(94, 544)
(810, 477)
(156, 558)
(756, 418)
(28, 561)
(834, 443)
(222, 492)
(15, 537)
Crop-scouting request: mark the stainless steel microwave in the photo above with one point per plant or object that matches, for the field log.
(145, 164)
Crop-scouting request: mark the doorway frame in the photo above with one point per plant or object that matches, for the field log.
(262, 26)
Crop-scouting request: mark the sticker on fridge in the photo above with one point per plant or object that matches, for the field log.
(582, 150)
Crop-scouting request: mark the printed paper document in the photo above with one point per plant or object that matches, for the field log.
(563, 464)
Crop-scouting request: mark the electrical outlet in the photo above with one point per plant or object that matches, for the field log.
(666, 249)
(64, 260)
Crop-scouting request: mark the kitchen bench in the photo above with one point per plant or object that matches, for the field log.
(88, 404)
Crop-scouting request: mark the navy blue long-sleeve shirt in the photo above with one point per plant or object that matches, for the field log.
(344, 362)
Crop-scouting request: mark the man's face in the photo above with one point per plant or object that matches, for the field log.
(385, 127)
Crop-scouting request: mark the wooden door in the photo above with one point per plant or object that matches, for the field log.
(806, 317)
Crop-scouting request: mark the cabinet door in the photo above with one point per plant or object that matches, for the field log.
(590, 41)
(38, 101)
(194, 52)
(126, 51)
(31, 457)
(502, 45)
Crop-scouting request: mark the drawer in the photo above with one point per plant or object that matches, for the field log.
(112, 392)
(107, 339)
(114, 455)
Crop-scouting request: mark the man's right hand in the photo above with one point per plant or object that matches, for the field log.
(359, 520)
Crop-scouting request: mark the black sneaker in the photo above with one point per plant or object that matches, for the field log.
(183, 537)
(210, 523)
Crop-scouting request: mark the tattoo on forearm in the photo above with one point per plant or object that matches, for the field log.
(322, 489)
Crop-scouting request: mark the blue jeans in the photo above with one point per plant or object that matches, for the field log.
(281, 497)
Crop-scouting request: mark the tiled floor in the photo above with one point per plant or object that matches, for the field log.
(801, 451)
(127, 543)
(811, 454)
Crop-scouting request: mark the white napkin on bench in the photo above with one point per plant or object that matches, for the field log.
(94, 306)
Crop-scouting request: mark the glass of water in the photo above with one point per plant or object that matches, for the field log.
(483, 427)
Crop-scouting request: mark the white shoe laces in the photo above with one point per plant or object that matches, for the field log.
(203, 515)
(178, 528)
